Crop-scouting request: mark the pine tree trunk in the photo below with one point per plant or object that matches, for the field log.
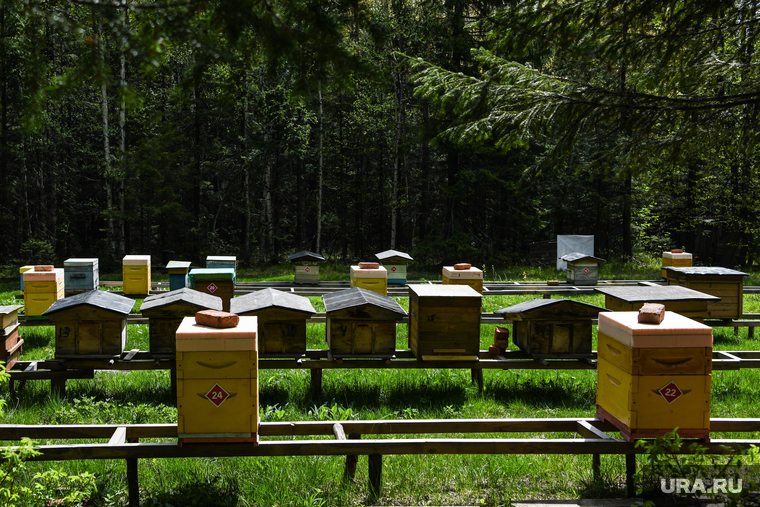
(106, 145)
(319, 173)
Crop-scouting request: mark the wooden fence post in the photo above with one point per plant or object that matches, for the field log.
(375, 475)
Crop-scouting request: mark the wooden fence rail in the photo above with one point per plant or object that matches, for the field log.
(123, 442)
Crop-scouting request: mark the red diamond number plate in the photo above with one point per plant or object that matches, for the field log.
(217, 395)
(212, 288)
(671, 392)
(585, 271)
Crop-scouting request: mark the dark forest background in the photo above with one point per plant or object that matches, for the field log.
(257, 129)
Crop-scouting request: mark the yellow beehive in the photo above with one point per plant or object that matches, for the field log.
(370, 278)
(458, 274)
(652, 378)
(217, 382)
(21, 271)
(136, 274)
(677, 259)
(42, 287)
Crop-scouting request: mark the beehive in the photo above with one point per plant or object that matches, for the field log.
(652, 378)
(91, 324)
(395, 263)
(21, 271)
(361, 322)
(306, 266)
(165, 313)
(11, 349)
(459, 274)
(582, 269)
(136, 275)
(370, 278)
(217, 382)
(218, 282)
(687, 302)
(281, 319)
(42, 287)
(80, 275)
(221, 261)
(552, 328)
(444, 321)
(726, 284)
(677, 259)
(178, 274)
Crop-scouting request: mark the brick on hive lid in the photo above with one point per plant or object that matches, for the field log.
(651, 313)
(676, 250)
(44, 267)
(462, 266)
(216, 318)
(369, 265)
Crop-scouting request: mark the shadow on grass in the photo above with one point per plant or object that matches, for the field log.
(209, 492)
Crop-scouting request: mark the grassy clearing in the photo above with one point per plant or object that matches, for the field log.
(145, 397)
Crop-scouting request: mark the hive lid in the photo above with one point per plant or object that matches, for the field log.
(178, 265)
(444, 291)
(184, 296)
(221, 258)
(564, 309)
(194, 337)
(674, 331)
(679, 256)
(8, 309)
(80, 262)
(351, 298)
(394, 256)
(43, 276)
(304, 256)
(24, 269)
(705, 270)
(271, 298)
(136, 260)
(100, 299)
(578, 256)
(656, 293)
(472, 273)
(379, 272)
(212, 274)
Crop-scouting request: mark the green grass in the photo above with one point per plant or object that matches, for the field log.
(287, 395)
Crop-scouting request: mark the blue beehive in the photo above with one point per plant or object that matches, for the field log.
(80, 275)
(178, 274)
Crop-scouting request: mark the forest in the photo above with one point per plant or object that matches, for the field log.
(454, 130)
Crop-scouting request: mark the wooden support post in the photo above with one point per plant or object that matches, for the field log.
(630, 471)
(596, 466)
(133, 480)
(477, 376)
(375, 475)
(58, 386)
(351, 459)
(316, 381)
(751, 332)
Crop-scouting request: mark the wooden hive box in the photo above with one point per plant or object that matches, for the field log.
(582, 269)
(177, 274)
(652, 378)
(11, 349)
(374, 279)
(282, 319)
(677, 259)
(444, 321)
(217, 382)
(726, 284)
(42, 287)
(80, 275)
(91, 324)
(136, 275)
(166, 311)
(454, 275)
(395, 263)
(687, 302)
(221, 261)
(361, 322)
(306, 266)
(218, 282)
(552, 328)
